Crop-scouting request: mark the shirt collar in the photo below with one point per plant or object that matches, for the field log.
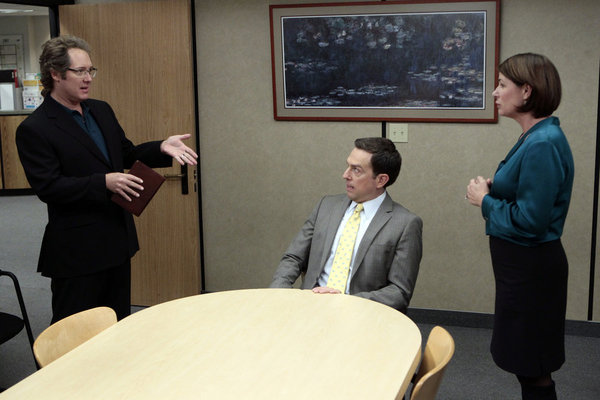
(371, 206)
(84, 108)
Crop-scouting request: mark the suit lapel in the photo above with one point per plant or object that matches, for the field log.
(382, 216)
(102, 121)
(67, 124)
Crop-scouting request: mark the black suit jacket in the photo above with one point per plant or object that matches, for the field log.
(86, 231)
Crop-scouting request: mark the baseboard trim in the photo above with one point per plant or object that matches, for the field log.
(486, 321)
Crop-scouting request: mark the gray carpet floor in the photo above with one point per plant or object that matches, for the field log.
(470, 375)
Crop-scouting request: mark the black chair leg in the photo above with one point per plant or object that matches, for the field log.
(23, 310)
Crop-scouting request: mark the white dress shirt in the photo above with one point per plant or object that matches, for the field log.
(366, 215)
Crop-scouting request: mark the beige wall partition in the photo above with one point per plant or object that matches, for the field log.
(261, 177)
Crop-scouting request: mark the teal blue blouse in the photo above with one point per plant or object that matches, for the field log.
(531, 191)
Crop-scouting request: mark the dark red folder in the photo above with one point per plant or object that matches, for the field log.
(152, 181)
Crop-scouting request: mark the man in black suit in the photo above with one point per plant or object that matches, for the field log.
(74, 151)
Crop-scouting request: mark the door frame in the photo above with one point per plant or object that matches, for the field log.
(55, 31)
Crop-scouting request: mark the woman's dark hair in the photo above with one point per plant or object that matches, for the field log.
(538, 72)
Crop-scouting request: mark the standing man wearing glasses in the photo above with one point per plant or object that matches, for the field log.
(74, 151)
(360, 243)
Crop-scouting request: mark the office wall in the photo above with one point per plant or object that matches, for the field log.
(261, 177)
(39, 32)
(35, 31)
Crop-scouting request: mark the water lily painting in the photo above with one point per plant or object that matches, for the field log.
(385, 61)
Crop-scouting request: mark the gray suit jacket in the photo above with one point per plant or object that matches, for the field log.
(387, 260)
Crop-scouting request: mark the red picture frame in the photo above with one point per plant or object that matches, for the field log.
(415, 61)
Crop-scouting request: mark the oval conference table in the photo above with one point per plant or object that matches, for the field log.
(242, 344)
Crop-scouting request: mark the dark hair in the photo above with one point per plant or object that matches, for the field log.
(55, 57)
(385, 159)
(538, 72)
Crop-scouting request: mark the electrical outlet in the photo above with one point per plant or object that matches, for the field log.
(397, 133)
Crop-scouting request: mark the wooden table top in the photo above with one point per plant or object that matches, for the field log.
(243, 344)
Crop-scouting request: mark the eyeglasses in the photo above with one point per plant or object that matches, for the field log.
(80, 73)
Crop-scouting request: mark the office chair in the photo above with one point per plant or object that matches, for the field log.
(11, 325)
(68, 333)
(438, 352)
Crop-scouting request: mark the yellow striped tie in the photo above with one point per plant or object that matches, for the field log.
(343, 254)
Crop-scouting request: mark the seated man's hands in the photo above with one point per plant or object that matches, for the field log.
(325, 290)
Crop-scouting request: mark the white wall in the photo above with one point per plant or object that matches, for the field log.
(34, 31)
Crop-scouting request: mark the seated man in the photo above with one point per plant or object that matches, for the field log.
(361, 243)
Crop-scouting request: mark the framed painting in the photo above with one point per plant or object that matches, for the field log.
(385, 61)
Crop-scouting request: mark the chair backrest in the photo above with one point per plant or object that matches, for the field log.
(438, 352)
(68, 333)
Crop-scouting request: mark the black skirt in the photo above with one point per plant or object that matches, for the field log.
(531, 301)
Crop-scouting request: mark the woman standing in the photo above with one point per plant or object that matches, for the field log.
(525, 210)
